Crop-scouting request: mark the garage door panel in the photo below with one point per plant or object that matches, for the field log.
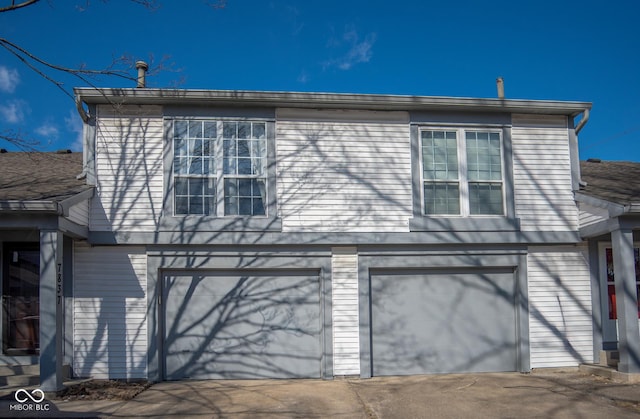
(443, 322)
(242, 326)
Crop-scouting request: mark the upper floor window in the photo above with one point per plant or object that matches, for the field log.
(462, 172)
(220, 167)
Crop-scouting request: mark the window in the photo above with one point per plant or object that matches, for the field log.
(462, 172)
(611, 288)
(219, 168)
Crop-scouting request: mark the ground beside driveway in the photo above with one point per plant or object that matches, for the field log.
(504, 395)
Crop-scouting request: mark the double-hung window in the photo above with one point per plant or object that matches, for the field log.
(219, 168)
(462, 172)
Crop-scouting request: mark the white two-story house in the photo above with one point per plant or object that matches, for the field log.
(244, 234)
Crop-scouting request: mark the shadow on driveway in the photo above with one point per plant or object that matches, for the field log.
(491, 395)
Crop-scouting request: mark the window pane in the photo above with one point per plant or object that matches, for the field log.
(196, 186)
(229, 148)
(230, 206)
(210, 187)
(485, 198)
(181, 165)
(210, 130)
(231, 187)
(229, 166)
(209, 205)
(195, 166)
(180, 147)
(439, 155)
(195, 148)
(243, 148)
(258, 207)
(229, 129)
(245, 206)
(483, 156)
(441, 198)
(258, 167)
(196, 205)
(244, 187)
(180, 129)
(182, 205)
(244, 166)
(244, 130)
(182, 186)
(258, 131)
(208, 166)
(195, 129)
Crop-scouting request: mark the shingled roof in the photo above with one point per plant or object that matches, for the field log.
(40, 176)
(613, 181)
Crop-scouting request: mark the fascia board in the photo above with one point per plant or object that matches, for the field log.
(37, 206)
(76, 199)
(614, 208)
(323, 100)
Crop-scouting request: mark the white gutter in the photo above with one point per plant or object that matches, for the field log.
(323, 100)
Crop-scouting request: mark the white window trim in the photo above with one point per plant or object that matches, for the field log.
(219, 175)
(463, 179)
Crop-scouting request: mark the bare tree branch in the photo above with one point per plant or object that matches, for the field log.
(15, 6)
(19, 140)
(120, 68)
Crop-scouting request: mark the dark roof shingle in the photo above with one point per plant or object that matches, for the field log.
(613, 181)
(40, 176)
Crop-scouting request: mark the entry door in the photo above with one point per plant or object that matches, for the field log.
(609, 312)
(21, 299)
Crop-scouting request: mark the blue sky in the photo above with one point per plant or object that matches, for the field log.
(559, 50)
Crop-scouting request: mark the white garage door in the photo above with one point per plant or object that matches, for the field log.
(443, 322)
(242, 324)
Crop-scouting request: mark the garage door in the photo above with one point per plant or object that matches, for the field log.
(242, 324)
(443, 321)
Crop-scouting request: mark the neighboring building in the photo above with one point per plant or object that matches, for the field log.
(609, 203)
(239, 234)
(44, 208)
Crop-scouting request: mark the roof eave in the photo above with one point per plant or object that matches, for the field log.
(10, 205)
(323, 100)
(615, 208)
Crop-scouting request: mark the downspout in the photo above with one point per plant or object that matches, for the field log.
(85, 120)
(583, 121)
(577, 183)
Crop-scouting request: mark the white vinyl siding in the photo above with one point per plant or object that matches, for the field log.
(345, 316)
(343, 170)
(129, 147)
(542, 173)
(109, 312)
(79, 213)
(560, 322)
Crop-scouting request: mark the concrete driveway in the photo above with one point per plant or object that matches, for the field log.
(503, 395)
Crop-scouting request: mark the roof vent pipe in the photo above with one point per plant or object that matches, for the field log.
(500, 86)
(142, 71)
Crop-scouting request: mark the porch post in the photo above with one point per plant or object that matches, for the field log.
(626, 301)
(51, 313)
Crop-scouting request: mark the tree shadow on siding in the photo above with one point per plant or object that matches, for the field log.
(308, 166)
(242, 324)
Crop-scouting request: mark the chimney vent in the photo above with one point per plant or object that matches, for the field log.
(500, 86)
(142, 72)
